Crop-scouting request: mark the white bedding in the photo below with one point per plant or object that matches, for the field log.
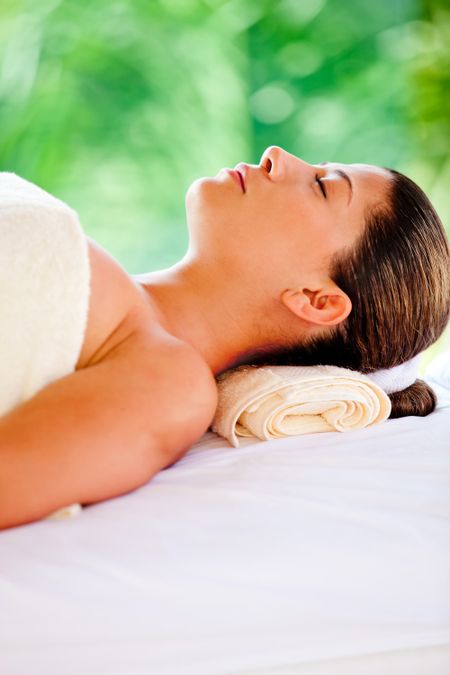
(324, 554)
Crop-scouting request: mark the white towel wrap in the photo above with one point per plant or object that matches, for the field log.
(276, 401)
(45, 288)
(44, 277)
(397, 378)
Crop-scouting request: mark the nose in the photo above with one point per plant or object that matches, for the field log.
(278, 162)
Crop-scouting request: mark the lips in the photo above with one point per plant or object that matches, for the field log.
(242, 169)
(237, 177)
(241, 178)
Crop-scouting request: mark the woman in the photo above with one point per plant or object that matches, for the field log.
(287, 262)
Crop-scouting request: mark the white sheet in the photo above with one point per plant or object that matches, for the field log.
(319, 554)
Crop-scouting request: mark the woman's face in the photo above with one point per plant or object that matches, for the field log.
(290, 219)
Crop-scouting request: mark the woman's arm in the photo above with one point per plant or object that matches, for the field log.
(101, 431)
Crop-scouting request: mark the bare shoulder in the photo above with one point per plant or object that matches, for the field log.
(112, 296)
(179, 384)
(176, 382)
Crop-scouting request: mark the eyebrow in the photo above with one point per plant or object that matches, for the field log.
(345, 176)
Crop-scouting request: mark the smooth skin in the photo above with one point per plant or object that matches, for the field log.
(256, 269)
(255, 273)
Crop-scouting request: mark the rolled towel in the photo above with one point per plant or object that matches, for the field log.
(45, 288)
(277, 401)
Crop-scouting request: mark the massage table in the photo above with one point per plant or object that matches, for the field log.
(320, 554)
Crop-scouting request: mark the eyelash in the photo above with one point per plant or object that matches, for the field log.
(319, 181)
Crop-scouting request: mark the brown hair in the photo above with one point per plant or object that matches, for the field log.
(397, 278)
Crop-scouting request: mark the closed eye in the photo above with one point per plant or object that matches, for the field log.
(321, 185)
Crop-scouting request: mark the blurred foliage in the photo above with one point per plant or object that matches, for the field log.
(116, 106)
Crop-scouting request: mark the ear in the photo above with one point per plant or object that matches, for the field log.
(327, 306)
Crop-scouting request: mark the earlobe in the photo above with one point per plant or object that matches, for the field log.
(324, 308)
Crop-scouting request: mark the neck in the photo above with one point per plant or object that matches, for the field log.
(209, 313)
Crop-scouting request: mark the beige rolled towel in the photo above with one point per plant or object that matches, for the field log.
(277, 401)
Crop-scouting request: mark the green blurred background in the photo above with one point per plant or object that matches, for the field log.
(116, 106)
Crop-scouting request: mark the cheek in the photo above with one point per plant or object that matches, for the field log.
(310, 237)
(298, 223)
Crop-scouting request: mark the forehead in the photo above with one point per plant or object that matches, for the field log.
(373, 181)
(370, 170)
(362, 170)
(368, 179)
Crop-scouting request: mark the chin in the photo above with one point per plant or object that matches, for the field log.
(204, 196)
(205, 217)
(192, 193)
